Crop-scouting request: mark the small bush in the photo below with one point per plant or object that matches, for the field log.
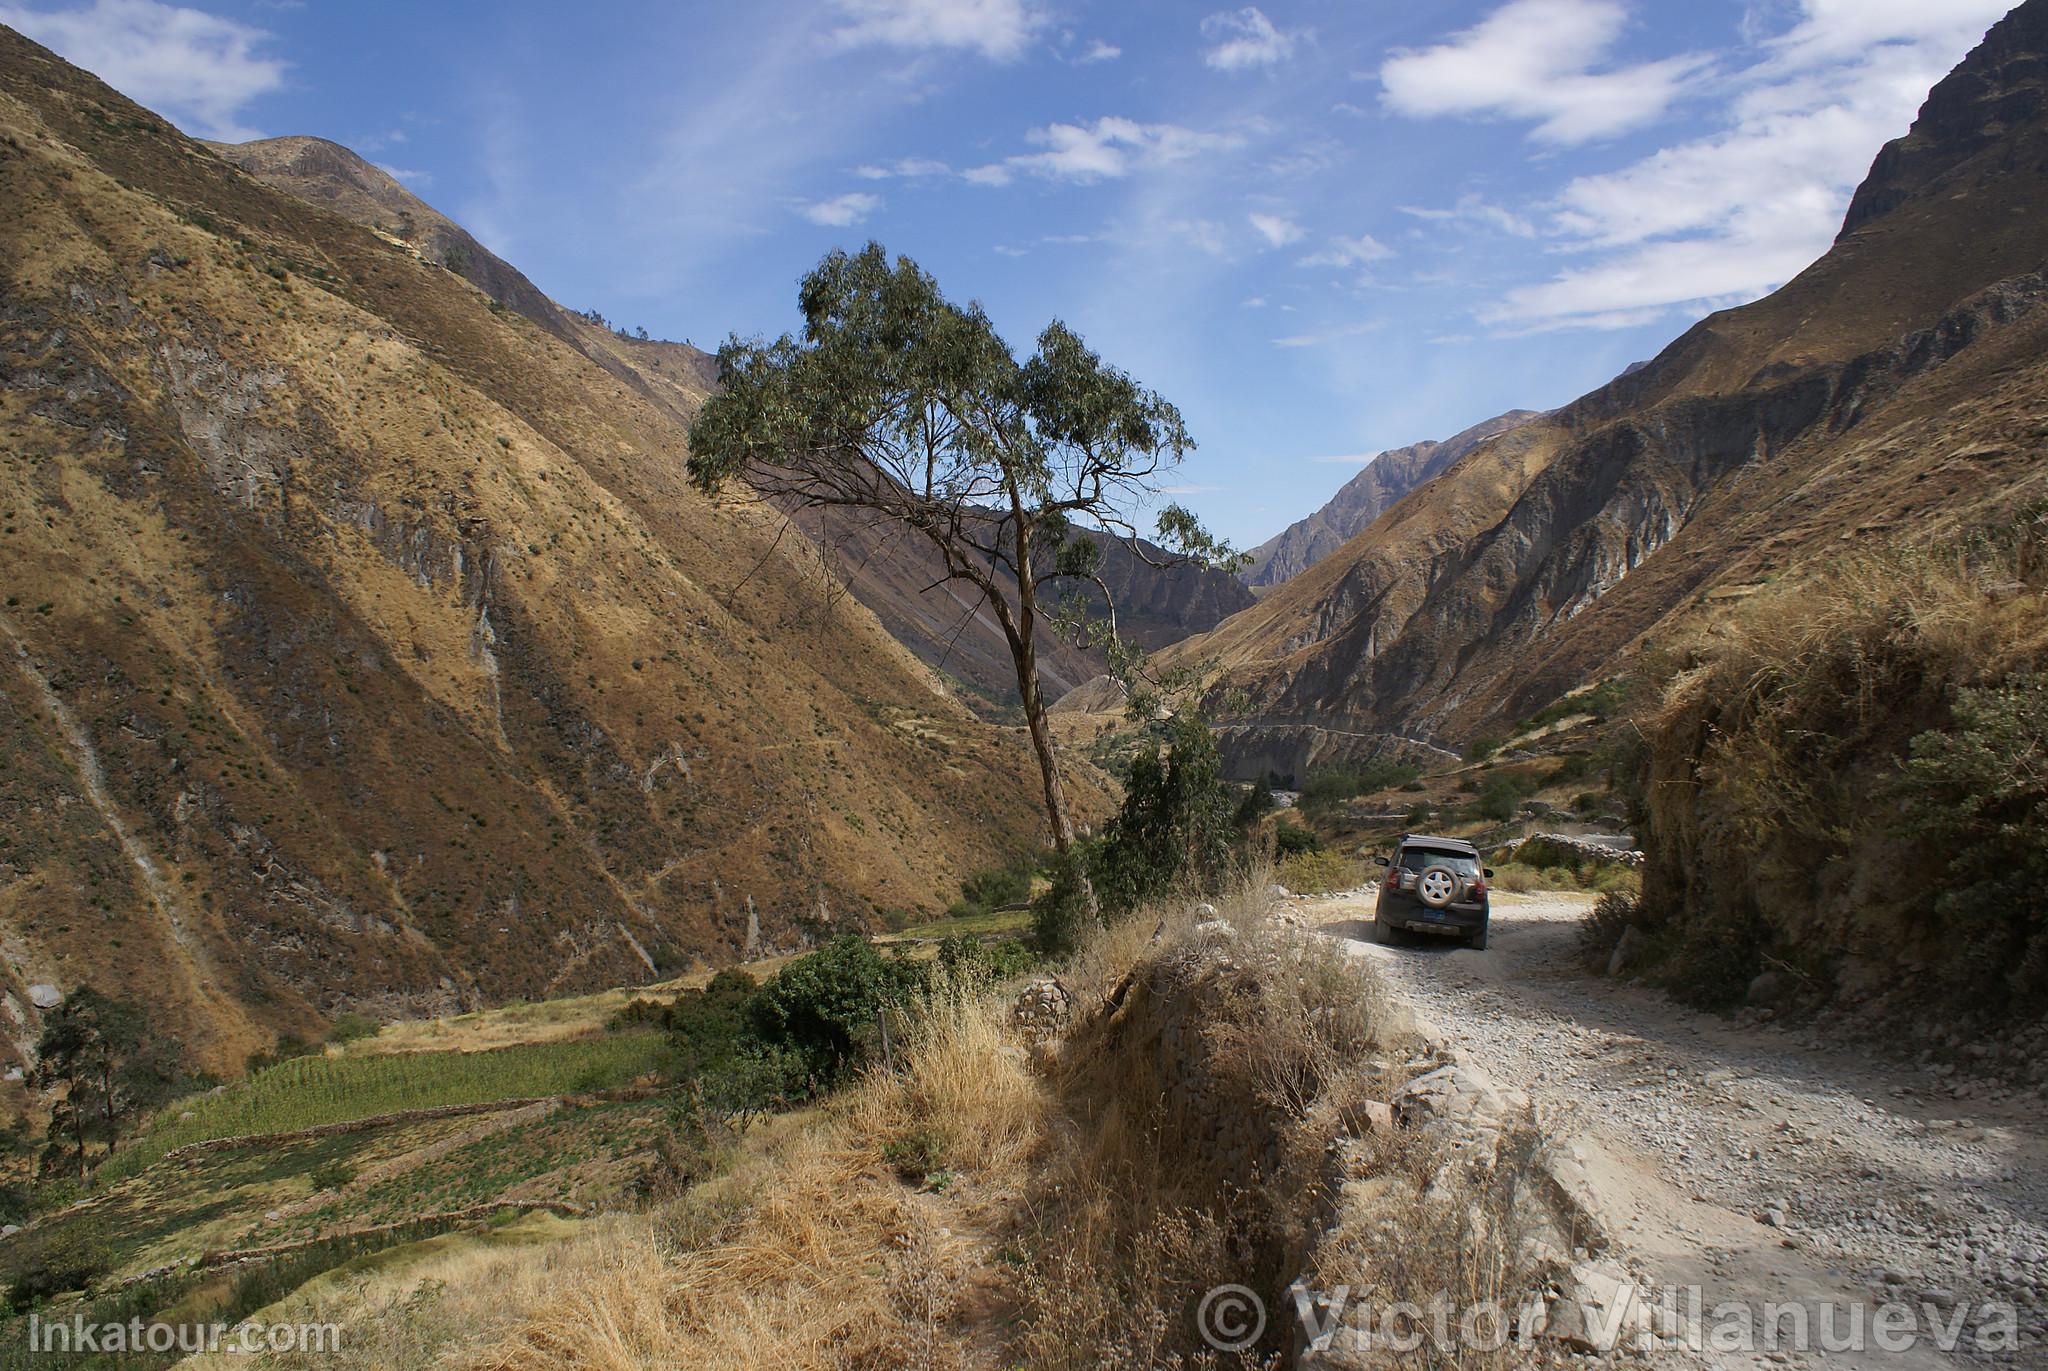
(1604, 924)
(1318, 873)
(1291, 839)
(347, 1028)
(1060, 912)
(1326, 789)
(71, 1258)
(1479, 749)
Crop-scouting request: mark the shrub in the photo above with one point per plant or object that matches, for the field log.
(825, 1007)
(1481, 748)
(1318, 873)
(1604, 924)
(1863, 737)
(1289, 839)
(1060, 911)
(1175, 829)
(1325, 789)
(1977, 794)
(349, 1027)
(71, 1257)
(998, 886)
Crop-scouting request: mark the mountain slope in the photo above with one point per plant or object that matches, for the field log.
(895, 575)
(1892, 386)
(364, 646)
(1360, 500)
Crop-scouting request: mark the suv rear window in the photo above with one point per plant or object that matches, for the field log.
(1422, 858)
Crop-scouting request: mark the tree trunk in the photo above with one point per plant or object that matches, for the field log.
(1023, 635)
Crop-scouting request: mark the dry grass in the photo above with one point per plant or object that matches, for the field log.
(1064, 1213)
(1782, 745)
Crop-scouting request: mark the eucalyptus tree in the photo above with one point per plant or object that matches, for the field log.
(897, 402)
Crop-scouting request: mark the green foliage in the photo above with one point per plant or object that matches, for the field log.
(915, 1155)
(1498, 800)
(1176, 827)
(999, 886)
(995, 889)
(71, 1257)
(1290, 839)
(1060, 911)
(97, 1052)
(1257, 803)
(898, 401)
(347, 1028)
(1327, 788)
(824, 1008)
(305, 1092)
(1318, 873)
(971, 961)
(1602, 701)
(1976, 796)
(1481, 748)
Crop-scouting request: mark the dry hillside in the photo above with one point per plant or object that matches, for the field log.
(363, 644)
(1386, 478)
(1897, 385)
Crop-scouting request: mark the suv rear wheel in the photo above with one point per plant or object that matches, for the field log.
(1437, 886)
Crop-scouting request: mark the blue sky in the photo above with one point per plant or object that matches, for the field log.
(1322, 227)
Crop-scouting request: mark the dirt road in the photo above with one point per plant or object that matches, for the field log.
(1760, 1164)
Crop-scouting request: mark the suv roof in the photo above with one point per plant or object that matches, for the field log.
(1425, 840)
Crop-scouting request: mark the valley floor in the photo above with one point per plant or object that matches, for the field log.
(1763, 1165)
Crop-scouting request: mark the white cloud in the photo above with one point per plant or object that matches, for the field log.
(1472, 209)
(1837, 29)
(999, 30)
(1252, 302)
(1348, 459)
(910, 168)
(1107, 150)
(1727, 217)
(1245, 39)
(1536, 60)
(1328, 335)
(1204, 235)
(1099, 51)
(197, 69)
(842, 210)
(420, 179)
(1277, 229)
(1349, 252)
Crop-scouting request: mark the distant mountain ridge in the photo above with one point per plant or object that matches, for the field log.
(1892, 389)
(1360, 500)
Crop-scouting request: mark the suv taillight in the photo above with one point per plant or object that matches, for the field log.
(1478, 886)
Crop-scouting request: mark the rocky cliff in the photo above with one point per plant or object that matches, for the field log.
(363, 645)
(1892, 387)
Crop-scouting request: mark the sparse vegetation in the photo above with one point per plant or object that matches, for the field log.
(1884, 716)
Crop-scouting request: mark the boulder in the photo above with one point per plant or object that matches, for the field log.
(45, 996)
(1627, 950)
(1769, 988)
(1459, 1097)
(1601, 1310)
